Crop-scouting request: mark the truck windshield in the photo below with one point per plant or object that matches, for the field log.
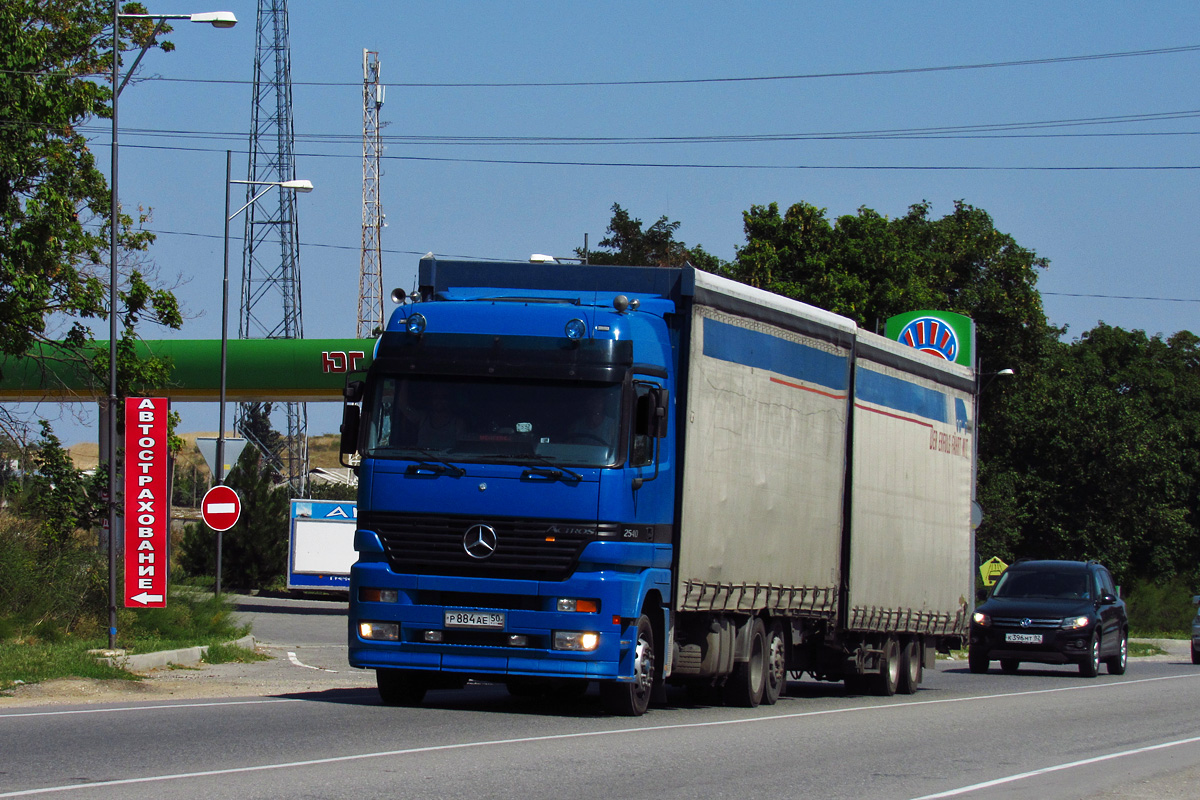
(503, 421)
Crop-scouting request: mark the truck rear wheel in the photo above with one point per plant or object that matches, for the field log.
(632, 699)
(887, 680)
(776, 665)
(401, 687)
(749, 678)
(910, 667)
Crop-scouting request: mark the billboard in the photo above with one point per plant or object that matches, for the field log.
(940, 333)
(147, 506)
(321, 544)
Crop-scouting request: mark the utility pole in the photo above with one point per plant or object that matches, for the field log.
(370, 276)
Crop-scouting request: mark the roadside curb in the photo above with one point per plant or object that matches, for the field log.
(187, 656)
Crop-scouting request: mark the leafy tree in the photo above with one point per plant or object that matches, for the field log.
(254, 551)
(54, 201)
(60, 496)
(627, 244)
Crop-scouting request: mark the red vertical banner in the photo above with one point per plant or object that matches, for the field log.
(146, 507)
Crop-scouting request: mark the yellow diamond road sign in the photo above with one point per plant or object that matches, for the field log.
(991, 569)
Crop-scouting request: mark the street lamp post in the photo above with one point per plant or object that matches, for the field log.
(218, 19)
(294, 185)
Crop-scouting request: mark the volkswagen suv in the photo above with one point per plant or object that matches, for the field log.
(1051, 612)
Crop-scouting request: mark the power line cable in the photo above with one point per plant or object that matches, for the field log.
(682, 81)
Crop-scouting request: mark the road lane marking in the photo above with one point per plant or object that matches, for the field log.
(149, 708)
(297, 662)
(1056, 768)
(901, 704)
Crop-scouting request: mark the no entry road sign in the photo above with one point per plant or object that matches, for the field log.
(221, 508)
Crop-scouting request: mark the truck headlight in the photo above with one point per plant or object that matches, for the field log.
(379, 631)
(584, 641)
(378, 595)
(573, 604)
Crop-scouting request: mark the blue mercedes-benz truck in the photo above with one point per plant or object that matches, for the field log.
(642, 477)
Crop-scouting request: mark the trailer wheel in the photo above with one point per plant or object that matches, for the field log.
(777, 675)
(910, 667)
(748, 680)
(401, 687)
(887, 680)
(632, 699)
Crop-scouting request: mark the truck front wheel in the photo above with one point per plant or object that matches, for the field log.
(632, 699)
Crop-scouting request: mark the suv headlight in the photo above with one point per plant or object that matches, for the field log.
(982, 619)
(1071, 623)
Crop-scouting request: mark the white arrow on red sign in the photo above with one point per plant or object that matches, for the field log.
(221, 508)
(146, 597)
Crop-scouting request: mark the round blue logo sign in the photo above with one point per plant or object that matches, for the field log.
(931, 335)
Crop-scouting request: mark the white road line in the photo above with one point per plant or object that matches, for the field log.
(149, 708)
(902, 704)
(1056, 768)
(297, 662)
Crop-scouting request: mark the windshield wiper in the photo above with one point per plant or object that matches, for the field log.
(551, 470)
(435, 465)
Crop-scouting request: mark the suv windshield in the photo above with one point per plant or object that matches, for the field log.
(1073, 585)
(467, 419)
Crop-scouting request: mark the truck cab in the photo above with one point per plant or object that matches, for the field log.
(515, 489)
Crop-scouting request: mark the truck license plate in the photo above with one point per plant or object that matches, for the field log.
(1023, 638)
(475, 619)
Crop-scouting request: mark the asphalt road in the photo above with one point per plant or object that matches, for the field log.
(1044, 733)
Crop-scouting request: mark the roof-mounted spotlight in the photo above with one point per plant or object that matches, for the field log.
(575, 329)
(415, 324)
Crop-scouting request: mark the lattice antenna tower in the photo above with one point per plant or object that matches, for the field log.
(270, 302)
(370, 274)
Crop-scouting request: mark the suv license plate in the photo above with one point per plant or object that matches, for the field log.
(475, 619)
(1023, 638)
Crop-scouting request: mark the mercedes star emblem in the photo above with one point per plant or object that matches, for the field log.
(480, 541)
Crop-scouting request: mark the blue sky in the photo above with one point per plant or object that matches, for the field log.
(1110, 234)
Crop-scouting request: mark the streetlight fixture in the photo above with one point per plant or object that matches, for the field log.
(302, 186)
(218, 19)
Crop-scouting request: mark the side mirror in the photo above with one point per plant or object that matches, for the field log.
(350, 421)
(650, 416)
(353, 393)
(1107, 599)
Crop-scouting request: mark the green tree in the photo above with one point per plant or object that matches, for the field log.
(628, 245)
(59, 496)
(54, 201)
(254, 551)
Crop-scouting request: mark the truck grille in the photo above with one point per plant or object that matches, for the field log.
(525, 549)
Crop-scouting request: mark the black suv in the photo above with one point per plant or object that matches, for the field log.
(1051, 612)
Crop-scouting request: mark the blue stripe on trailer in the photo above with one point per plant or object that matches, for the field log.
(763, 351)
(900, 395)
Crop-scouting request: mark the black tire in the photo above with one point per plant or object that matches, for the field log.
(1090, 667)
(1195, 654)
(977, 662)
(632, 699)
(1010, 665)
(911, 667)
(748, 680)
(776, 665)
(887, 680)
(401, 687)
(1118, 663)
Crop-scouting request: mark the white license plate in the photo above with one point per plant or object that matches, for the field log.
(475, 619)
(1023, 638)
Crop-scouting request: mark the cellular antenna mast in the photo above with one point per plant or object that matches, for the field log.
(270, 302)
(370, 275)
